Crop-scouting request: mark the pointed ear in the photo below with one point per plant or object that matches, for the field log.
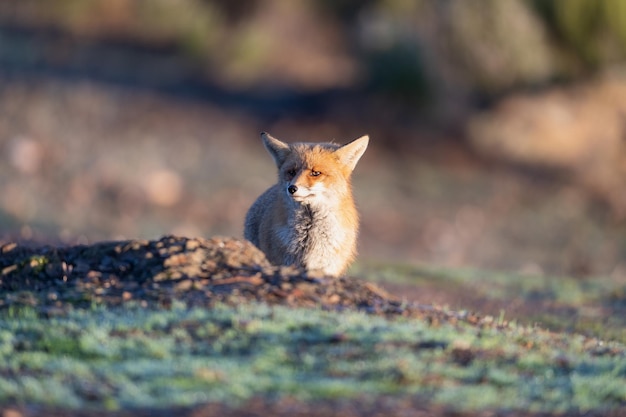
(278, 149)
(350, 153)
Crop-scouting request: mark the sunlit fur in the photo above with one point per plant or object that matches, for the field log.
(316, 226)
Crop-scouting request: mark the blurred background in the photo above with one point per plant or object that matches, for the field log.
(498, 135)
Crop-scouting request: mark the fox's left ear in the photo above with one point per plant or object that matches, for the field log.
(350, 153)
(278, 149)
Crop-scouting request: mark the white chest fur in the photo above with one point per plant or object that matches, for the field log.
(315, 239)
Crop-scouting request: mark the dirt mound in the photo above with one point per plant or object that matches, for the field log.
(195, 271)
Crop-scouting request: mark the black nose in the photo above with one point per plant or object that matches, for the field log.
(292, 189)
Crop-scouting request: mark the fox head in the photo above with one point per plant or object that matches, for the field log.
(315, 173)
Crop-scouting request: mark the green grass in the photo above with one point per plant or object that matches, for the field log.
(132, 357)
(594, 306)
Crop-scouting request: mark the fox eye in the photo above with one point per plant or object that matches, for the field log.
(315, 173)
(291, 172)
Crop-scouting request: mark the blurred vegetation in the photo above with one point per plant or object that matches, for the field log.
(412, 50)
(592, 32)
(375, 61)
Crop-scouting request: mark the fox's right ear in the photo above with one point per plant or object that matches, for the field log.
(278, 149)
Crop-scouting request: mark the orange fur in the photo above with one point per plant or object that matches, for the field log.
(308, 218)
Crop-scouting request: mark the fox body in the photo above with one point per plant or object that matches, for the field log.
(308, 218)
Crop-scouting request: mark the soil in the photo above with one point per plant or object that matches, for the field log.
(196, 271)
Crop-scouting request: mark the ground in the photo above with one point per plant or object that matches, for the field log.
(54, 281)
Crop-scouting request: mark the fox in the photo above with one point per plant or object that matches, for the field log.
(308, 219)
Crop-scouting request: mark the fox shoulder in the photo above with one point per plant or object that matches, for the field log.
(258, 212)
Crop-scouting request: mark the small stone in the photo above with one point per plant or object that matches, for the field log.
(94, 275)
(192, 245)
(175, 249)
(334, 299)
(8, 247)
(176, 260)
(7, 270)
(184, 285)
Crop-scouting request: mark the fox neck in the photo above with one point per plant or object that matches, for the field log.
(318, 233)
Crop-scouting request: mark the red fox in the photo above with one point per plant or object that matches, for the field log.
(308, 219)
